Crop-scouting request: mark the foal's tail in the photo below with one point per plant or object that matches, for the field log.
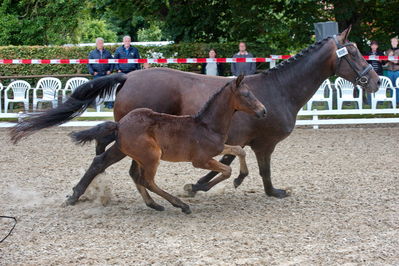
(77, 103)
(99, 132)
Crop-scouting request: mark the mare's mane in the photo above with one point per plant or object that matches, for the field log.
(287, 64)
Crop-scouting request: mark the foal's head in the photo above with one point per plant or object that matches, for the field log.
(244, 100)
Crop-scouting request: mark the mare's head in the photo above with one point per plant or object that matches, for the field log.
(350, 64)
(244, 100)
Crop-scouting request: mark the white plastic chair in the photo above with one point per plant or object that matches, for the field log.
(381, 94)
(20, 90)
(345, 90)
(50, 88)
(396, 87)
(110, 98)
(319, 96)
(71, 85)
(1, 89)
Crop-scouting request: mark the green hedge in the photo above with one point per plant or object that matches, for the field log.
(182, 50)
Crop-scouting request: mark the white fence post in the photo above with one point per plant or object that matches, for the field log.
(315, 119)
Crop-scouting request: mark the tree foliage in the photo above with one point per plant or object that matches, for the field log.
(28, 22)
(286, 25)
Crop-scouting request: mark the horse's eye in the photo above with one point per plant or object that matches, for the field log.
(245, 93)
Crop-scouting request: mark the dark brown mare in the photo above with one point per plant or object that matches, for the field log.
(283, 90)
(148, 137)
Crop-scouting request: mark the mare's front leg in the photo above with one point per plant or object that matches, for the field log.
(263, 157)
(240, 153)
(210, 165)
(99, 164)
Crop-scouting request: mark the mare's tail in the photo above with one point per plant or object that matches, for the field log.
(77, 103)
(103, 130)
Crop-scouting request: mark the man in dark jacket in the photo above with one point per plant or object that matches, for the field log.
(126, 51)
(100, 70)
(243, 68)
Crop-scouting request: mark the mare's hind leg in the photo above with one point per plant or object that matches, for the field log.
(135, 174)
(210, 165)
(240, 153)
(101, 144)
(99, 164)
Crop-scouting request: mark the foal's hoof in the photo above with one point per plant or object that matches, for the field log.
(189, 189)
(156, 207)
(186, 209)
(278, 193)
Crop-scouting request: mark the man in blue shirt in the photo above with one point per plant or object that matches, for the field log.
(100, 70)
(126, 51)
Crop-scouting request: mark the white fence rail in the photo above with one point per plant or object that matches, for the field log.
(313, 117)
(316, 119)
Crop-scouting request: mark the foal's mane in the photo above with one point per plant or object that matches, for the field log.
(297, 58)
(210, 101)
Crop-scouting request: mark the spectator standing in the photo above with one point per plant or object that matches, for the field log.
(100, 70)
(212, 68)
(126, 51)
(243, 68)
(393, 65)
(376, 64)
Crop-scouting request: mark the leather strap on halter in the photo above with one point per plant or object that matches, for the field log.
(361, 78)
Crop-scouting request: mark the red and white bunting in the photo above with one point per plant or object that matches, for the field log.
(165, 60)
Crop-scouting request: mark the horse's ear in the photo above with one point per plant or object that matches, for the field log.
(239, 80)
(345, 33)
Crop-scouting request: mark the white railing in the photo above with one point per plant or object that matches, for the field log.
(315, 120)
(313, 117)
(316, 114)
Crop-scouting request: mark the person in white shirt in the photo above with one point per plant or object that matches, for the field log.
(212, 69)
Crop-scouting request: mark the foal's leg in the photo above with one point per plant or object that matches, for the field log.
(214, 166)
(227, 160)
(240, 153)
(148, 172)
(135, 174)
(99, 164)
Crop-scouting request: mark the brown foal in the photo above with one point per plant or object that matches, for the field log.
(148, 137)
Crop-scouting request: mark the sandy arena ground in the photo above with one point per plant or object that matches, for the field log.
(343, 208)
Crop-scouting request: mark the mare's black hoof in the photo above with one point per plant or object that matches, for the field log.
(186, 209)
(156, 207)
(70, 201)
(237, 182)
(278, 193)
(189, 189)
